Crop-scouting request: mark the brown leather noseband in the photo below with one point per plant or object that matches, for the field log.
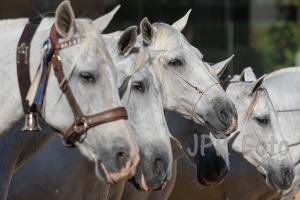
(82, 123)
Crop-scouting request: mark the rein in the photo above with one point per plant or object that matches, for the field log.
(288, 110)
(177, 149)
(82, 123)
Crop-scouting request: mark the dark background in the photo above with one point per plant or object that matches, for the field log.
(263, 34)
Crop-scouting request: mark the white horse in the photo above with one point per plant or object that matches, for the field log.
(283, 87)
(245, 181)
(187, 79)
(91, 76)
(261, 143)
(208, 154)
(176, 57)
(145, 106)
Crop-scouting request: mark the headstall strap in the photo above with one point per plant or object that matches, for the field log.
(23, 71)
(23, 52)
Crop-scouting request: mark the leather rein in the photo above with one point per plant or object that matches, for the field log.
(82, 123)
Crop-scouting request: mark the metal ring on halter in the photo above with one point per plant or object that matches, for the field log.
(82, 126)
(57, 57)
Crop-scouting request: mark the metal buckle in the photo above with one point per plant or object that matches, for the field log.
(81, 126)
(22, 50)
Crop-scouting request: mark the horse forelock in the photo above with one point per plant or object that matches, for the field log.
(145, 59)
(142, 58)
(252, 104)
(92, 39)
(91, 44)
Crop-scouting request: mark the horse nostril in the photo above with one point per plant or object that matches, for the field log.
(158, 166)
(217, 167)
(287, 176)
(122, 158)
(224, 116)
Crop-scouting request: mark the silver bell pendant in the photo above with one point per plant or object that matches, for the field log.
(31, 122)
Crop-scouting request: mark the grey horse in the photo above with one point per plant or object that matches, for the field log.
(244, 180)
(90, 74)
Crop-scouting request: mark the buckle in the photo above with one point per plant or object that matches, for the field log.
(81, 126)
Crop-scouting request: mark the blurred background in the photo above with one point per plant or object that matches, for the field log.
(263, 34)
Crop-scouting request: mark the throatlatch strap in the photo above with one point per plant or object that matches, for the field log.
(23, 53)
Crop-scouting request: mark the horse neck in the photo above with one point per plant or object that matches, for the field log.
(11, 31)
(181, 130)
(185, 132)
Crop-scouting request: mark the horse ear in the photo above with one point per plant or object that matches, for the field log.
(181, 23)
(65, 19)
(102, 22)
(247, 75)
(127, 40)
(257, 83)
(220, 67)
(147, 31)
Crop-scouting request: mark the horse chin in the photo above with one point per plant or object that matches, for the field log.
(208, 183)
(114, 177)
(102, 173)
(222, 134)
(140, 183)
(271, 183)
(215, 132)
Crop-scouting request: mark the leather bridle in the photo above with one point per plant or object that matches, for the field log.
(82, 123)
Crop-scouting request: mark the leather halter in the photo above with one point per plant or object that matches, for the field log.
(82, 123)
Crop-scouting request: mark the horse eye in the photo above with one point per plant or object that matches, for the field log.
(139, 86)
(264, 121)
(87, 77)
(175, 62)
